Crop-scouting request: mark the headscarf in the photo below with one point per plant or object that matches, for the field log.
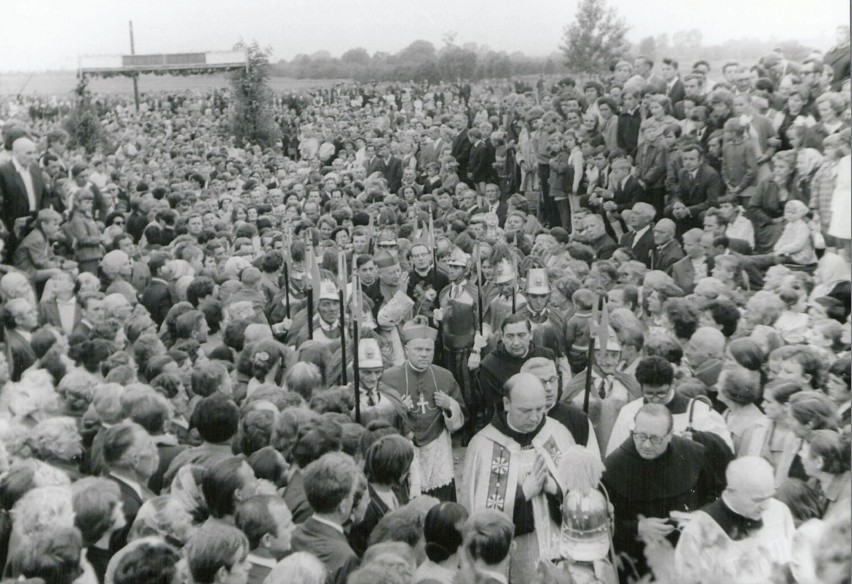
(831, 269)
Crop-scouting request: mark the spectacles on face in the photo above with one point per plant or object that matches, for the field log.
(641, 438)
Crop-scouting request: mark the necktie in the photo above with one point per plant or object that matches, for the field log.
(602, 388)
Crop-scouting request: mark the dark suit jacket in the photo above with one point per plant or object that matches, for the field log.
(157, 299)
(642, 248)
(700, 194)
(48, 313)
(257, 573)
(461, 152)
(676, 93)
(628, 196)
(604, 247)
(329, 546)
(19, 353)
(664, 258)
(13, 193)
(627, 134)
(683, 273)
(131, 502)
(296, 500)
(479, 167)
(391, 170)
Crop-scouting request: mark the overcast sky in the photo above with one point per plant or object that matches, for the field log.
(50, 34)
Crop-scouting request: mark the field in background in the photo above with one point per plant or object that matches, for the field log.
(63, 83)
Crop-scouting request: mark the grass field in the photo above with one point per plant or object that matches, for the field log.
(64, 82)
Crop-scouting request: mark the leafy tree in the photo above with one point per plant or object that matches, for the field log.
(595, 37)
(418, 52)
(82, 123)
(356, 56)
(252, 121)
(456, 63)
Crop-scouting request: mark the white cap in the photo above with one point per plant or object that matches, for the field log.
(369, 354)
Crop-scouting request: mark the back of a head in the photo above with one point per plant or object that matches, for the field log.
(488, 537)
(53, 556)
(442, 530)
(147, 562)
(316, 441)
(329, 480)
(207, 380)
(220, 483)
(216, 418)
(215, 545)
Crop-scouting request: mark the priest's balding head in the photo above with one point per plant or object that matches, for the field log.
(525, 402)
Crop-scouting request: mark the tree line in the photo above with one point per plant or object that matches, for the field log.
(419, 61)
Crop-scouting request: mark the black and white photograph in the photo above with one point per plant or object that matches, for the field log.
(371, 292)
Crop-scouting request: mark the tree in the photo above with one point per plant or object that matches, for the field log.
(252, 121)
(356, 56)
(82, 123)
(417, 52)
(456, 63)
(595, 37)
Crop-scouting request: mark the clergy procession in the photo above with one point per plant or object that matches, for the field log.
(556, 330)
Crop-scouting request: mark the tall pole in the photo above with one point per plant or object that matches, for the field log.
(136, 75)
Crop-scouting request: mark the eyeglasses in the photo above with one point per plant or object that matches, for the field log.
(118, 222)
(641, 437)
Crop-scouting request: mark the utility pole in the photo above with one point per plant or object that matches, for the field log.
(136, 75)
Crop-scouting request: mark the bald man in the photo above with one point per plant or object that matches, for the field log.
(22, 187)
(666, 250)
(694, 265)
(744, 536)
(511, 466)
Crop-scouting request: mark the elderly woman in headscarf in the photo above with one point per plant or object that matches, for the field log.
(831, 271)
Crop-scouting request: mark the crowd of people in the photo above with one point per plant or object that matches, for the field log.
(572, 331)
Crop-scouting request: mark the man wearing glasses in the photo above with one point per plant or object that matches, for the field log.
(650, 476)
(656, 376)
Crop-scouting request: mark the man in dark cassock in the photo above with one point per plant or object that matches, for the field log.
(434, 401)
(651, 477)
(513, 350)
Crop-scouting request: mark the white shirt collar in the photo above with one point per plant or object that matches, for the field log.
(18, 166)
(261, 561)
(130, 483)
(494, 575)
(640, 233)
(331, 524)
